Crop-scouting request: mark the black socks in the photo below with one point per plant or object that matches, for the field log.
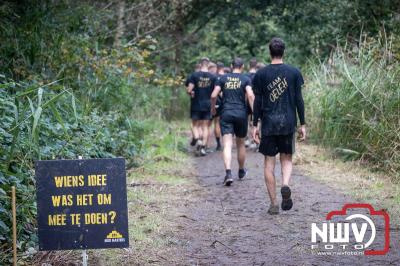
(228, 172)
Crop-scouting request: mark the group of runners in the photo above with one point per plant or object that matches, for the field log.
(268, 96)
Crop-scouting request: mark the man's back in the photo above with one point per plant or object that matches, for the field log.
(233, 87)
(203, 86)
(278, 87)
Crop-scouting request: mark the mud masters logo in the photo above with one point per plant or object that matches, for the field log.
(356, 229)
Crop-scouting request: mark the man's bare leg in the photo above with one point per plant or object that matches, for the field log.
(217, 132)
(209, 128)
(204, 129)
(192, 129)
(196, 129)
(227, 139)
(269, 175)
(241, 154)
(197, 133)
(286, 166)
(203, 125)
(227, 154)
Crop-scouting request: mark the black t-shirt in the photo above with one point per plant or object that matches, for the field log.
(203, 87)
(251, 75)
(277, 88)
(233, 86)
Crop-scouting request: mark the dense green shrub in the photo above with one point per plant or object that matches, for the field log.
(43, 123)
(66, 91)
(353, 103)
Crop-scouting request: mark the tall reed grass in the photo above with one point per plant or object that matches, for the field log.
(353, 103)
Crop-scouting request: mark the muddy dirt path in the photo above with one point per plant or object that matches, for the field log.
(230, 225)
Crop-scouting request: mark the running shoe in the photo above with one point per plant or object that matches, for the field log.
(273, 209)
(287, 202)
(242, 173)
(203, 151)
(198, 148)
(228, 180)
(253, 146)
(247, 143)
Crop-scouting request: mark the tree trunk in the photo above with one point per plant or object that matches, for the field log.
(178, 34)
(121, 25)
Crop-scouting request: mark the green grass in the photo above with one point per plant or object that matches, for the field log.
(353, 105)
(162, 172)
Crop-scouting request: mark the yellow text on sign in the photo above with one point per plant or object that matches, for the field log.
(57, 219)
(84, 199)
(96, 218)
(97, 180)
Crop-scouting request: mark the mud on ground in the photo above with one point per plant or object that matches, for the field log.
(230, 225)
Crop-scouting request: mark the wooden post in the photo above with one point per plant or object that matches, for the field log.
(85, 257)
(14, 225)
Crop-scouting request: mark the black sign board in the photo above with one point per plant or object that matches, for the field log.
(82, 204)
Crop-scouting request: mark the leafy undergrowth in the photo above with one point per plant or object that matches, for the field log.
(41, 123)
(154, 189)
(350, 177)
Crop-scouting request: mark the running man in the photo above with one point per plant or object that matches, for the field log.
(196, 69)
(249, 142)
(235, 87)
(218, 107)
(200, 87)
(252, 68)
(278, 96)
(212, 68)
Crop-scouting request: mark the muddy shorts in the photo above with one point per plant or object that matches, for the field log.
(233, 125)
(272, 145)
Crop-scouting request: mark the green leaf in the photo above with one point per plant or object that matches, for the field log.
(74, 106)
(4, 226)
(36, 118)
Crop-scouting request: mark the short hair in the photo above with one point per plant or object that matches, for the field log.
(253, 63)
(220, 65)
(260, 65)
(211, 64)
(227, 70)
(276, 47)
(237, 62)
(204, 61)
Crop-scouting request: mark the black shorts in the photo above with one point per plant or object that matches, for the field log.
(200, 115)
(272, 145)
(233, 125)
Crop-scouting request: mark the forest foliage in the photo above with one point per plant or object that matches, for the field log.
(83, 77)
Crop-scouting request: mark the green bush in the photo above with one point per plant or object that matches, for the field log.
(46, 123)
(353, 103)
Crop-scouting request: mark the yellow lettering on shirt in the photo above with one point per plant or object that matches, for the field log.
(233, 83)
(277, 87)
